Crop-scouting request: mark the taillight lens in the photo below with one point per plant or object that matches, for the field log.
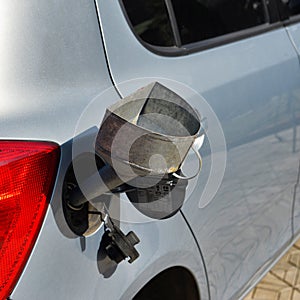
(27, 175)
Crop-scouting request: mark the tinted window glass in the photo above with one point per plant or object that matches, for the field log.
(203, 19)
(150, 21)
(292, 6)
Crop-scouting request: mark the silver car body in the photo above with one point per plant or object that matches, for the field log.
(63, 62)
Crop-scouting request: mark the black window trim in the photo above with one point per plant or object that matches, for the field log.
(181, 50)
(232, 37)
(173, 22)
(291, 20)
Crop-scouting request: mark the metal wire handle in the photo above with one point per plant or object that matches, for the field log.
(199, 166)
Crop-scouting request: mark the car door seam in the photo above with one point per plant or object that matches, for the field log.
(293, 43)
(200, 251)
(294, 198)
(105, 50)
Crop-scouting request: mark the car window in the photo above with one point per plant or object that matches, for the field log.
(292, 7)
(158, 21)
(150, 21)
(199, 20)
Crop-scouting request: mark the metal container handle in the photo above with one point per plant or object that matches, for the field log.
(199, 166)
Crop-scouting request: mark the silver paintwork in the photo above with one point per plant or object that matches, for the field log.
(251, 85)
(53, 65)
(294, 34)
(59, 269)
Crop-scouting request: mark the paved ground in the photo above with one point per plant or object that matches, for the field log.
(283, 281)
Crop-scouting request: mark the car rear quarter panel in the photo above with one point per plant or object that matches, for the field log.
(52, 68)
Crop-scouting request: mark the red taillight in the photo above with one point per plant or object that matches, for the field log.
(27, 175)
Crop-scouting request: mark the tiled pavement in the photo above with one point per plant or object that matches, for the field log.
(283, 281)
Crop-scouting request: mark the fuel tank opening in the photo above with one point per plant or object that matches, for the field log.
(143, 140)
(140, 147)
